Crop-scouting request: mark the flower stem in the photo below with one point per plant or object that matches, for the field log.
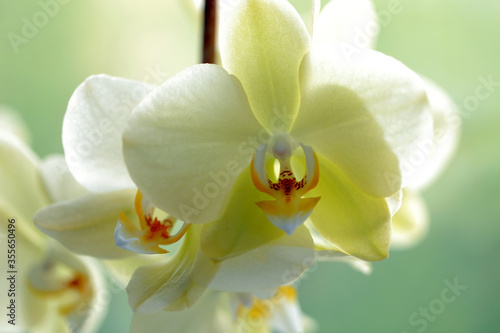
(209, 28)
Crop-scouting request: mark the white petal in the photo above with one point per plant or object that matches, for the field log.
(383, 89)
(22, 191)
(349, 21)
(168, 285)
(186, 144)
(277, 263)
(326, 251)
(86, 225)
(97, 307)
(92, 131)
(447, 125)
(209, 315)
(287, 317)
(58, 180)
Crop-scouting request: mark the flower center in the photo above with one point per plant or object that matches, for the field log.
(289, 210)
(57, 281)
(153, 232)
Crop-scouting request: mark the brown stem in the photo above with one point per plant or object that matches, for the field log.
(209, 31)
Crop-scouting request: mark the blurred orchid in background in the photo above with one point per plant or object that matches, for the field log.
(56, 291)
(233, 312)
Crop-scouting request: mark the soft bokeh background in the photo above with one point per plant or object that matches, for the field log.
(454, 42)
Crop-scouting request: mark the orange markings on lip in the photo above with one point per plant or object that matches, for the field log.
(289, 209)
(152, 229)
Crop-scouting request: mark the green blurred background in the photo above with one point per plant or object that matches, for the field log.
(451, 41)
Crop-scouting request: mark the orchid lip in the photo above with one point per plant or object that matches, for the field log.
(152, 233)
(289, 210)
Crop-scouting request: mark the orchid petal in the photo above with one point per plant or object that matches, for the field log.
(348, 21)
(343, 99)
(410, 224)
(279, 262)
(242, 227)
(121, 270)
(209, 314)
(351, 220)
(168, 286)
(326, 251)
(92, 131)
(447, 125)
(262, 42)
(58, 180)
(22, 191)
(346, 132)
(94, 313)
(189, 140)
(287, 316)
(86, 225)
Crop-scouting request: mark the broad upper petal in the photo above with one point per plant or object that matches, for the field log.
(262, 42)
(92, 131)
(243, 226)
(186, 144)
(349, 21)
(354, 222)
(86, 225)
(366, 112)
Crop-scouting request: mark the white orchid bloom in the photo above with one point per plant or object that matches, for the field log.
(201, 146)
(56, 291)
(87, 223)
(355, 23)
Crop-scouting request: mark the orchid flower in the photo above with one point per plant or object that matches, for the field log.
(106, 213)
(57, 291)
(351, 23)
(203, 145)
(276, 311)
